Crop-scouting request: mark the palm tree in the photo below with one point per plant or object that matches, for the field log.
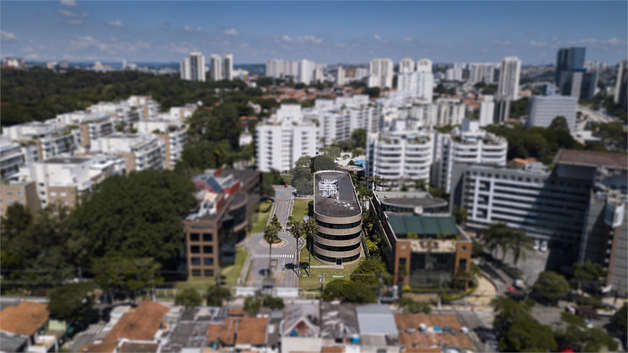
(310, 228)
(520, 245)
(270, 236)
(296, 230)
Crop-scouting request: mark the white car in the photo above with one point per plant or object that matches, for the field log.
(537, 244)
(544, 246)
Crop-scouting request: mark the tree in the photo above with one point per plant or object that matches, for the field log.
(559, 123)
(310, 229)
(303, 186)
(297, 231)
(588, 272)
(358, 138)
(301, 173)
(303, 162)
(273, 303)
(460, 214)
(368, 272)
(348, 291)
(270, 236)
(527, 335)
(620, 317)
(217, 294)
(412, 307)
(252, 305)
(17, 219)
(71, 301)
(520, 245)
(126, 212)
(373, 92)
(126, 275)
(267, 185)
(331, 151)
(581, 338)
(189, 298)
(323, 163)
(551, 286)
(508, 310)
(497, 235)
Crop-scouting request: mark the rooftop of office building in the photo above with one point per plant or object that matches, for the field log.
(409, 199)
(66, 160)
(592, 159)
(334, 195)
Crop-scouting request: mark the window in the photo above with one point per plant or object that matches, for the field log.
(194, 237)
(9, 193)
(207, 237)
(64, 194)
(195, 261)
(208, 273)
(208, 249)
(208, 261)
(196, 273)
(195, 249)
(19, 193)
(53, 193)
(462, 263)
(381, 351)
(10, 202)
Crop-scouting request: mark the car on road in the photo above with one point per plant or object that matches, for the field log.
(285, 185)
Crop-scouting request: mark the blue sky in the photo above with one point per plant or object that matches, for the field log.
(325, 32)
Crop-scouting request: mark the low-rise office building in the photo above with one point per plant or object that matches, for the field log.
(339, 218)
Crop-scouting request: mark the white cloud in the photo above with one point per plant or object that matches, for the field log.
(505, 42)
(286, 38)
(190, 29)
(7, 35)
(308, 39)
(616, 41)
(538, 44)
(32, 56)
(67, 13)
(183, 48)
(408, 39)
(114, 23)
(244, 45)
(73, 22)
(231, 32)
(377, 37)
(70, 3)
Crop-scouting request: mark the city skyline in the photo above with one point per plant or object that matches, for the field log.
(345, 32)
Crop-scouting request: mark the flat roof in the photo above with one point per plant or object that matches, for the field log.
(592, 159)
(376, 319)
(422, 225)
(65, 160)
(345, 204)
(409, 199)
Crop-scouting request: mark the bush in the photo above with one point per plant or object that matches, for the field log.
(189, 298)
(348, 291)
(412, 307)
(589, 301)
(452, 297)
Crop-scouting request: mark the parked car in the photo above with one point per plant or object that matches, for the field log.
(537, 244)
(544, 246)
(589, 323)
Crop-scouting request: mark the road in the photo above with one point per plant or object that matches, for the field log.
(597, 116)
(283, 254)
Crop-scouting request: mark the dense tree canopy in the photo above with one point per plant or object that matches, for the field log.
(188, 298)
(551, 286)
(139, 215)
(71, 301)
(349, 291)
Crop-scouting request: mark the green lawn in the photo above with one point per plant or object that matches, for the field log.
(261, 218)
(287, 178)
(312, 284)
(195, 283)
(300, 208)
(232, 273)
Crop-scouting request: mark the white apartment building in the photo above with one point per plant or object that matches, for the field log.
(193, 67)
(179, 113)
(129, 111)
(42, 140)
(11, 158)
(216, 68)
(398, 155)
(449, 111)
(140, 151)
(306, 71)
(487, 110)
(380, 73)
(453, 74)
(406, 65)
(424, 65)
(340, 76)
(91, 126)
(228, 67)
(509, 72)
(543, 109)
(174, 135)
(481, 72)
(284, 138)
(361, 73)
(467, 144)
(419, 84)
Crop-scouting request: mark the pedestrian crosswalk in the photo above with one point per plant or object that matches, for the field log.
(275, 256)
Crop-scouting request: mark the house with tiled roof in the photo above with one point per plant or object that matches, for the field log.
(420, 333)
(241, 333)
(139, 324)
(23, 326)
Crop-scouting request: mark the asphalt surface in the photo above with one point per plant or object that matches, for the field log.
(283, 256)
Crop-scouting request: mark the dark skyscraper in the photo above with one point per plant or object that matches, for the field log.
(567, 59)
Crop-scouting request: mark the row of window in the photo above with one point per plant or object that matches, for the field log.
(196, 249)
(197, 237)
(337, 248)
(339, 226)
(339, 237)
(206, 273)
(207, 261)
(10, 193)
(336, 260)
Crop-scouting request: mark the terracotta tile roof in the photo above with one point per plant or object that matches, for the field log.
(252, 331)
(24, 318)
(419, 339)
(422, 350)
(412, 321)
(592, 159)
(332, 349)
(141, 324)
(236, 312)
(223, 332)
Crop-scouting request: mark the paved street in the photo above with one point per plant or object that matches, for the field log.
(283, 254)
